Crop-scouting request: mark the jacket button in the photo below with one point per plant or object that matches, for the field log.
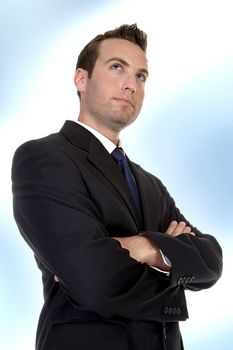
(174, 311)
(180, 281)
(170, 310)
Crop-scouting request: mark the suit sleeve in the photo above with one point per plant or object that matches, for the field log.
(196, 260)
(59, 220)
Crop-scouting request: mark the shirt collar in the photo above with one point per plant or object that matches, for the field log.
(109, 145)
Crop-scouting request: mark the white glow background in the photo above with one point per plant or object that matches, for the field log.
(184, 134)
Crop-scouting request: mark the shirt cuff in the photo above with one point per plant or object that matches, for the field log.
(166, 261)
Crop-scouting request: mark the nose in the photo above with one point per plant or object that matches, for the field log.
(130, 84)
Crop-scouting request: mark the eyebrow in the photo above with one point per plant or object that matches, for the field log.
(125, 63)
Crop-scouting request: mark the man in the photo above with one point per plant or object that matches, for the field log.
(115, 253)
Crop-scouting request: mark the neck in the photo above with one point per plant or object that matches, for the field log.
(113, 136)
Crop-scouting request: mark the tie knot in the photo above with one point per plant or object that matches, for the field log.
(118, 154)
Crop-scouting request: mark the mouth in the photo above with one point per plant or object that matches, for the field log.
(124, 101)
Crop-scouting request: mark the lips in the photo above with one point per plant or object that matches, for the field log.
(124, 101)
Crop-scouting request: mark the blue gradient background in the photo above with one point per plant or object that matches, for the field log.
(183, 135)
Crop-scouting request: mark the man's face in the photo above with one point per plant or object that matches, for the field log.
(113, 96)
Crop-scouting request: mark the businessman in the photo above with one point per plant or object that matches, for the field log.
(116, 254)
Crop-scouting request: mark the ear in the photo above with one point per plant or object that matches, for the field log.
(80, 78)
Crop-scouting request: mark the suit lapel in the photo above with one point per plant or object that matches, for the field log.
(149, 198)
(102, 160)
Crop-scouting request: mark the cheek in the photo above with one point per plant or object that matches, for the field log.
(140, 96)
(101, 89)
(95, 91)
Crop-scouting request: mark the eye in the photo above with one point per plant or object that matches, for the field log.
(142, 77)
(116, 66)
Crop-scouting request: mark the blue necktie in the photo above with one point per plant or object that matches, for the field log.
(119, 155)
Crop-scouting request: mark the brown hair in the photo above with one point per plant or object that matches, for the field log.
(89, 54)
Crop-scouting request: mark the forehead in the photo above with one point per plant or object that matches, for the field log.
(124, 49)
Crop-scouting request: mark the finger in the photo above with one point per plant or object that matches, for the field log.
(189, 233)
(181, 226)
(171, 227)
(187, 229)
(192, 233)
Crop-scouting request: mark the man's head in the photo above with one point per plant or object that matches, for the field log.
(89, 54)
(110, 79)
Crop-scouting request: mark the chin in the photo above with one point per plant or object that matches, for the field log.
(121, 124)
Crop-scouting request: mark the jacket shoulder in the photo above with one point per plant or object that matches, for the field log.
(39, 145)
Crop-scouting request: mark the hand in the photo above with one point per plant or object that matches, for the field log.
(176, 229)
(143, 250)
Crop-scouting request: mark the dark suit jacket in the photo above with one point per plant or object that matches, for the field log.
(70, 198)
